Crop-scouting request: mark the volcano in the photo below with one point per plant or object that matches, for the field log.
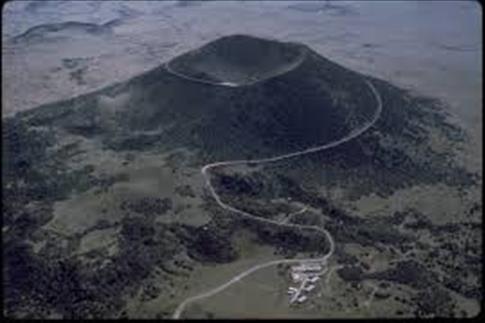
(243, 97)
(125, 163)
(235, 97)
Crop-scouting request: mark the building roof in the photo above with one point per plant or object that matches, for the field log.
(309, 288)
(301, 299)
(313, 279)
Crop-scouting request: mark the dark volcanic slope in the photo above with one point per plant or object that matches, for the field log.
(312, 103)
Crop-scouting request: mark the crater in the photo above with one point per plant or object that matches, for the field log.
(238, 60)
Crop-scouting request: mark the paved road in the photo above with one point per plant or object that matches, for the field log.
(353, 134)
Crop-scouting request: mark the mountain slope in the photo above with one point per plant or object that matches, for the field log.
(105, 207)
(314, 102)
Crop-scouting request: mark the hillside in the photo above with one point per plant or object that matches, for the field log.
(314, 102)
(106, 213)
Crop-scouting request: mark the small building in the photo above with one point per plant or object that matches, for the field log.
(309, 288)
(292, 290)
(313, 267)
(313, 279)
(298, 268)
(301, 299)
(298, 277)
(307, 267)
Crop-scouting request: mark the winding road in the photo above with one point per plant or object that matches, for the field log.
(205, 172)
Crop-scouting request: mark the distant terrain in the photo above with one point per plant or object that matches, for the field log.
(107, 215)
